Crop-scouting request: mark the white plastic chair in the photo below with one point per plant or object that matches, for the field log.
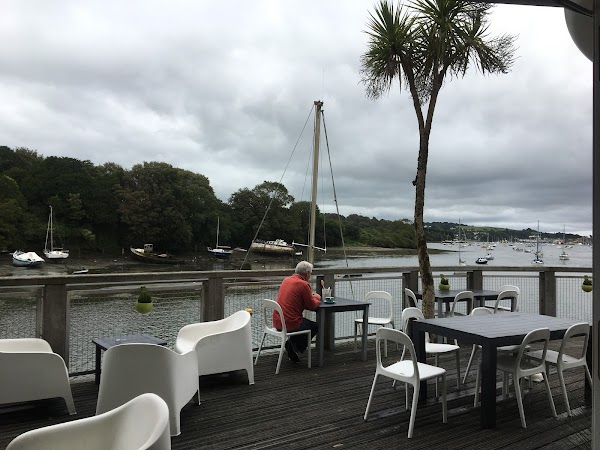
(408, 372)
(380, 297)
(431, 348)
(221, 345)
(30, 370)
(411, 298)
(463, 295)
(268, 307)
(141, 423)
(563, 361)
(521, 366)
(133, 369)
(506, 293)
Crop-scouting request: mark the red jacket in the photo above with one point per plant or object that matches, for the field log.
(294, 296)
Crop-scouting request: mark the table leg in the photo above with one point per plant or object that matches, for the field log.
(365, 330)
(321, 335)
(488, 385)
(440, 303)
(98, 362)
(418, 338)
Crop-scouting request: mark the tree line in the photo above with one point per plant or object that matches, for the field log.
(106, 208)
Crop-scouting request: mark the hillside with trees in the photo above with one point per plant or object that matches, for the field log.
(107, 208)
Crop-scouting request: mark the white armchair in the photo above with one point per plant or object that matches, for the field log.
(141, 423)
(30, 370)
(221, 345)
(130, 370)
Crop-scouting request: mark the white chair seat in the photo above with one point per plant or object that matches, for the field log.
(374, 321)
(432, 347)
(406, 369)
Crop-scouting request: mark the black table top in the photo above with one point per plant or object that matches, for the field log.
(501, 326)
(343, 304)
(108, 342)
(477, 293)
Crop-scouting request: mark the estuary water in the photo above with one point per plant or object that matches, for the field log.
(444, 255)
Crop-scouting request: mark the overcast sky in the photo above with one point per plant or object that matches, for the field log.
(224, 89)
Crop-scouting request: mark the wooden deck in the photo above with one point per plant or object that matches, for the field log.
(323, 408)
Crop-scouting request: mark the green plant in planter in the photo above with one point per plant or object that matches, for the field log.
(587, 284)
(444, 283)
(144, 303)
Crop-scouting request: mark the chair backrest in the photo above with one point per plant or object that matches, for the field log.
(401, 338)
(141, 423)
(410, 297)
(507, 294)
(407, 315)
(129, 370)
(481, 311)
(538, 336)
(193, 332)
(381, 296)
(575, 331)
(461, 296)
(270, 306)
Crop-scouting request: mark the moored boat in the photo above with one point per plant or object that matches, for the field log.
(481, 260)
(26, 259)
(51, 252)
(276, 247)
(147, 254)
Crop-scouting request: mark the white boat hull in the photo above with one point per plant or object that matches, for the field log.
(277, 247)
(56, 255)
(26, 259)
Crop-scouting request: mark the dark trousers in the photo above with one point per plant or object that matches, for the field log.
(300, 341)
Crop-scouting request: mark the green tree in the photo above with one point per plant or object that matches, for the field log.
(419, 46)
(12, 205)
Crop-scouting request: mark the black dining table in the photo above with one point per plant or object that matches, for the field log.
(480, 295)
(340, 305)
(490, 331)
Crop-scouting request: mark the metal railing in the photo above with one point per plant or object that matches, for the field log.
(71, 310)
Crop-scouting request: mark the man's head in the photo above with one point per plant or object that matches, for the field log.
(304, 269)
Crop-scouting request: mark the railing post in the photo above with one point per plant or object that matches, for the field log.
(213, 307)
(409, 280)
(475, 279)
(55, 319)
(547, 290)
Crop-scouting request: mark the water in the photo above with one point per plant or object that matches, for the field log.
(504, 255)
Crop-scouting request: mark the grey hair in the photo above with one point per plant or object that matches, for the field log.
(304, 267)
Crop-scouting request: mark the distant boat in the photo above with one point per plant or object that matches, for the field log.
(276, 247)
(147, 254)
(538, 253)
(564, 256)
(26, 259)
(81, 271)
(53, 253)
(481, 260)
(220, 251)
(489, 257)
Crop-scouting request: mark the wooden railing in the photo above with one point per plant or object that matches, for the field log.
(54, 309)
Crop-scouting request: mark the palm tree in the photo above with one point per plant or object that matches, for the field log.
(419, 45)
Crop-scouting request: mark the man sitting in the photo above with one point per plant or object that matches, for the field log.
(294, 296)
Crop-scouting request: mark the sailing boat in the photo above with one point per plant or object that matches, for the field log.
(53, 253)
(538, 253)
(461, 262)
(563, 255)
(219, 251)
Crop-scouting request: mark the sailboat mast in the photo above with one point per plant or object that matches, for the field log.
(217, 246)
(313, 207)
(48, 230)
(51, 232)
